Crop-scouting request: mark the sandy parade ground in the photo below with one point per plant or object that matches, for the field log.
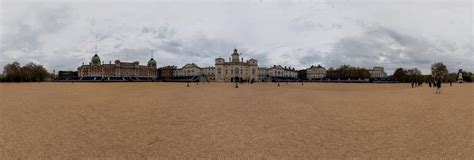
(216, 120)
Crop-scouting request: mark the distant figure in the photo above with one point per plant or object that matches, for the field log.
(412, 83)
(438, 86)
(429, 82)
(460, 79)
(450, 83)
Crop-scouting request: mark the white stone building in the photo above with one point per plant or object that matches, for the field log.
(263, 74)
(276, 71)
(208, 73)
(377, 72)
(315, 72)
(191, 69)
(279, 71)
(187, 70)
(236, 69)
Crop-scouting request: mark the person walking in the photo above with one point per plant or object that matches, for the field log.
(438, 86)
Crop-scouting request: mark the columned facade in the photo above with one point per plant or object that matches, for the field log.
(236, 70)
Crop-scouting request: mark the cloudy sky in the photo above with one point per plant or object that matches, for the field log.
(61, 34)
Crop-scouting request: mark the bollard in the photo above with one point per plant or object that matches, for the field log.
(188, 84)
(236, 85)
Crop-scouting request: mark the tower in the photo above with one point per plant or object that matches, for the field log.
(95, 60)
(235, 56)
(152, 62)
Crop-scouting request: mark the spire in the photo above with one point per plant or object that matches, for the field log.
(235, 51)
(96, 49)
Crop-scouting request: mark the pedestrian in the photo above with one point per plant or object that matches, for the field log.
(412, 83)
(438, 86)
(450, 83)
(429, 82)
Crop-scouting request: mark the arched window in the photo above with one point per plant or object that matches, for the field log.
(253, 71)
(219, 70)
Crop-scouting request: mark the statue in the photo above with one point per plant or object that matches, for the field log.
(460, 80)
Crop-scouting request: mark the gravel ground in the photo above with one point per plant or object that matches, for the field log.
(216, 120)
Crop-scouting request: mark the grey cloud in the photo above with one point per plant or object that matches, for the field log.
(38, 21)
(304, 24)
(313, 57)
(381, 46)
(59, 35)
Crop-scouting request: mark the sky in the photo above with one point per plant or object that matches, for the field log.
(62, 34)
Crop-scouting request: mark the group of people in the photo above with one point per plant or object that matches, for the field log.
(436, 83)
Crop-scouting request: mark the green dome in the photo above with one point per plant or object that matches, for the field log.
(95, 59)
(152, 62)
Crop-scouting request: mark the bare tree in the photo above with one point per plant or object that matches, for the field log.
(31, 72)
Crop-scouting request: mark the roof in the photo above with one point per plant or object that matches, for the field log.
(95, 58)
(191, 65)
(318, 66)
(152, 61)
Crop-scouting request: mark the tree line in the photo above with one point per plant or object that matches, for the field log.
(30, 72)
(438, 71)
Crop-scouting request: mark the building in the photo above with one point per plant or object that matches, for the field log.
(208, 74)
(377, 72)
(188, 70)
(263, 75)
(166, 72)
(277, 72)
(193, 70)
(236, 69)
(118, 69)
(315, 72)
